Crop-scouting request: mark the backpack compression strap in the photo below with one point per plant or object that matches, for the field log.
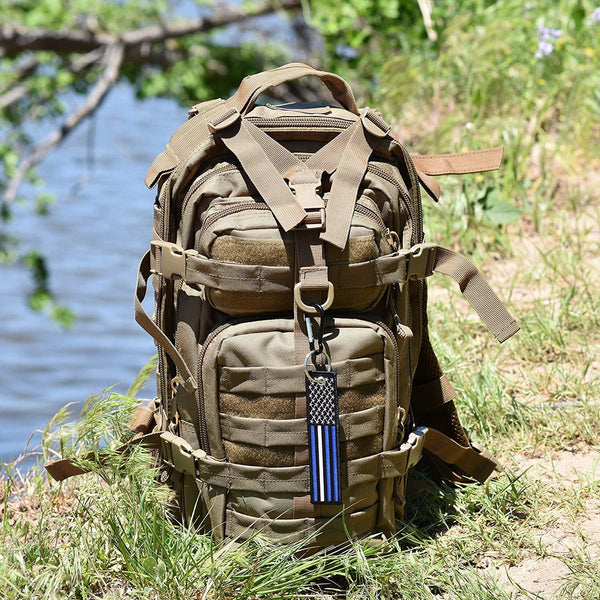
(461, 163)
(418, 262)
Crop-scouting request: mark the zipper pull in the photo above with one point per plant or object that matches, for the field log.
(402, 330)
(393, 239)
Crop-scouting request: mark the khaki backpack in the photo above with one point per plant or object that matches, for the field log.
(297, 385)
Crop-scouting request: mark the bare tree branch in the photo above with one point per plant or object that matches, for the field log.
(113, 59)
(25, 68)
(13, 96)
(19, 92)
(15, 38)
(146, 46)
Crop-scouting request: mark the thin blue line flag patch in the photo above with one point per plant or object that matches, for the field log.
(323, 439)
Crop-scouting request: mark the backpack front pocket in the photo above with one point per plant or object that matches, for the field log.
(240, 228)
(258, 444)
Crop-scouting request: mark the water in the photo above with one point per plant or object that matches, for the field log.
(93, 239)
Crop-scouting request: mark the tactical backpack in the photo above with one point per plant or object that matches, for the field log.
(297, 385)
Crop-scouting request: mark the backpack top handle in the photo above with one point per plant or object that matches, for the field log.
(254, 85)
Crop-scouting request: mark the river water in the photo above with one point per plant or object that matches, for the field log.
(93, 239)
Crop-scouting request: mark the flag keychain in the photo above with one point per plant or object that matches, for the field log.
(322, 421)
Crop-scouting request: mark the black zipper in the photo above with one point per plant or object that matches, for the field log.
(200, 394)
(204, 178)
(301, 122)
(212, 219)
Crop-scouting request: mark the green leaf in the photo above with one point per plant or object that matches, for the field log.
(502, 212)
(63, 316)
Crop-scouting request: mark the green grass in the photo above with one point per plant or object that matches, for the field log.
(531, 400)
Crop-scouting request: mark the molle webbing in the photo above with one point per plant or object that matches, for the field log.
(295, 480)
(293, 432)
(417, 263)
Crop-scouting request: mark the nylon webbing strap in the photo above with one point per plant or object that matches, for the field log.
(62, 469)
(236, 277)
(254, 85)
(477, 464)
(460, 163)
(271, 433)
(432, 395)
(234, 132)
(250, 478)
(326, 159)
(432, 187)
(183, 142)
(282, 159)
(346, 183)
(144, 320)
(477, 291)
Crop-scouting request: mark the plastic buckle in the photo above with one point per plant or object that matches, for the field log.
(306, 186)
(416, 439)
(420, 261)
(177, 453)
(172, 259)
(315, 219)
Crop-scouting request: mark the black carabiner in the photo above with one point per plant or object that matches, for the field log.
(317, 349)
(321, 333)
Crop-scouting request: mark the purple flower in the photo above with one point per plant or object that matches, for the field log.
(546, 34)
(595, 17)
(544, 49)
(545, 38)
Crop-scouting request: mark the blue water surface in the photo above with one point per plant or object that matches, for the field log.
(93, 238)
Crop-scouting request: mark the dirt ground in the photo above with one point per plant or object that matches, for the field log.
(566, 534)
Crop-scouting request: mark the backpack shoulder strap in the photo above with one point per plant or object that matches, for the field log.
(450, 455)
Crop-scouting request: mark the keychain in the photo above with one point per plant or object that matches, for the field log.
(322, 420)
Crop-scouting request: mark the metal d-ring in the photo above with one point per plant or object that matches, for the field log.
(319, 380)
(311, 310)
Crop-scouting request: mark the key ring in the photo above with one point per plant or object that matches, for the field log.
(319, 380)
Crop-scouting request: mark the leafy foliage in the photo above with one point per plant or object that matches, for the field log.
(57, 53)
(522, 75)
